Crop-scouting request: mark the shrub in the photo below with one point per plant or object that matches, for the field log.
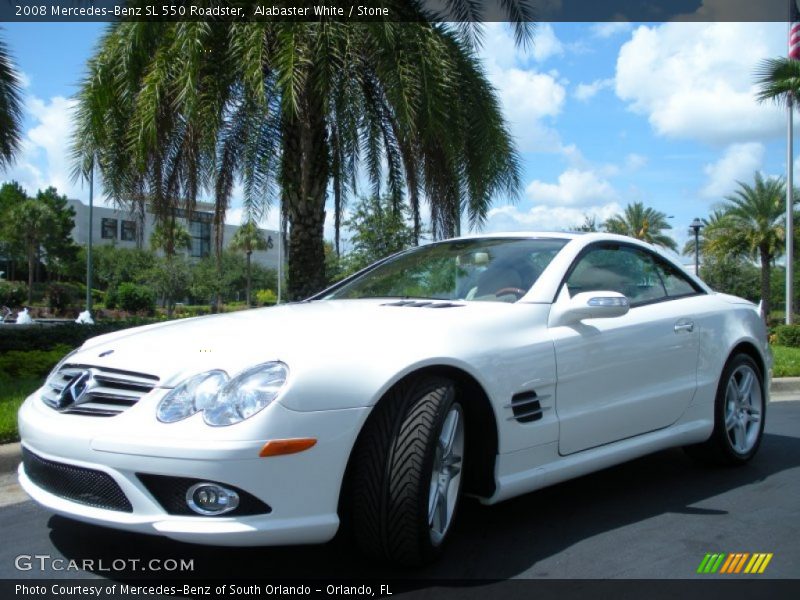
(31, 364)
(61, 295)
(788, 335)
(13, 293)
(136, 298)
(46, 337)
(112, 298)
(266, 297)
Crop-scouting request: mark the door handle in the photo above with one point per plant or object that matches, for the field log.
(687, 326)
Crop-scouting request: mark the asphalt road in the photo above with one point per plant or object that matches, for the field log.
(652, 518)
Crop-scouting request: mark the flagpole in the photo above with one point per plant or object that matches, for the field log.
(789, 212)
(793, 55)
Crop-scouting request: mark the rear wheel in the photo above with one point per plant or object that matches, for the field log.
(738, 414)
(408, 471)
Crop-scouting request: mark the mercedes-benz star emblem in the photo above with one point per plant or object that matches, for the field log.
(77, 392)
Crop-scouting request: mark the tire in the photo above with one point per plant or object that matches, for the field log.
(414, 436)
(739, 415)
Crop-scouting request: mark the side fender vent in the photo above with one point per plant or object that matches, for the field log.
(527, 407)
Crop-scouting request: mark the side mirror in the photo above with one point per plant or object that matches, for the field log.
(589, 305)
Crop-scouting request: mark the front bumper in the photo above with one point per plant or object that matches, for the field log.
(301, 489)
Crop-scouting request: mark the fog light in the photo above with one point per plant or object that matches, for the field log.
(211, 499)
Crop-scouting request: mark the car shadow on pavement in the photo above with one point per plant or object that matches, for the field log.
(489, 542)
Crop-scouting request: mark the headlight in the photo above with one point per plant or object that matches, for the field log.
(193, 395)
(246, 394)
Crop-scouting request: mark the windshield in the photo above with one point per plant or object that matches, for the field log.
(493, 269)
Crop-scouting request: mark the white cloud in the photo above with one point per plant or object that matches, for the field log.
(44, 158)
(575, 187)
(529, 98)
(546, 218)
(695, 80)
(610, 29)
(738, 163)
(586, 91)
(545, 43)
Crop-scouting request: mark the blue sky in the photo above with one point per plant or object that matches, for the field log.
(604, 114)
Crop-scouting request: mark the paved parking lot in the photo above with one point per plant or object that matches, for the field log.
(653, 518)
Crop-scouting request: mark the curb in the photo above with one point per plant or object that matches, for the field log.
(10, 457)
(785, 385)
(10, 454)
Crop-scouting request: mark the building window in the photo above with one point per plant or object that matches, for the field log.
(108, 229)
(201, 238)
(128, 233)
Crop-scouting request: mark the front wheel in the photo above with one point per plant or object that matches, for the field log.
(739, 413)
(408, 471)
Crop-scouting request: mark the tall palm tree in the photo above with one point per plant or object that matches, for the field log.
(249, 238)
(752, 226)
(643, 223)
(10, 108)
(297, 109)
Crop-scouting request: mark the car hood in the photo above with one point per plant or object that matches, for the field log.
(329, 334)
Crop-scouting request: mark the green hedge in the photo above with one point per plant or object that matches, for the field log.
(788, 335)
(43, 337)
(31, 364)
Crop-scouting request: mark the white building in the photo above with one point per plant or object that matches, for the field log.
(121, 228)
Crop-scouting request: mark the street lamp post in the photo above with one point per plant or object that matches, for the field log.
(89, 245)
(696, 226)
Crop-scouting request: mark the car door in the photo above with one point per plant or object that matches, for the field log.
(624, 376)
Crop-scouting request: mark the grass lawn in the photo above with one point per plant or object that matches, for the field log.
(12, 393)
(786, 361)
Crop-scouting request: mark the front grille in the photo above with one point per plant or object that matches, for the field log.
(81, 485)
(102, 392)
(170, 492)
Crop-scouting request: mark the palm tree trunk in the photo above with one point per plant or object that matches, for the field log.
(304, 175)
(765, 284)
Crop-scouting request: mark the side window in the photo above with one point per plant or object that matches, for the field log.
(675, 282)
(618, 269)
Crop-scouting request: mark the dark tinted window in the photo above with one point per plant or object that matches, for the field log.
(108, 229)
(676, 283)
(622, 269)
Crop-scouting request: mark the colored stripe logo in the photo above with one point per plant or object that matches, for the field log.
(737, 562)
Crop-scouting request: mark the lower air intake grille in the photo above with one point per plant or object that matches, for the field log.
(84, 486)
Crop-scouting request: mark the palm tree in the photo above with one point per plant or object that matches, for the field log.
(296, 109)
(778, 80)
(10, 108)
(643, 223)
(249, 238)
(752, 226)
(169, 236)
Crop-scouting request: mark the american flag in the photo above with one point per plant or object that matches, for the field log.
(794, 31)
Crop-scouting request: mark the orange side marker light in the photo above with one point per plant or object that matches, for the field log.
(290, 446)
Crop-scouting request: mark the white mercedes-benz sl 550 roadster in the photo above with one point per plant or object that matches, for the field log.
(490, 366)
